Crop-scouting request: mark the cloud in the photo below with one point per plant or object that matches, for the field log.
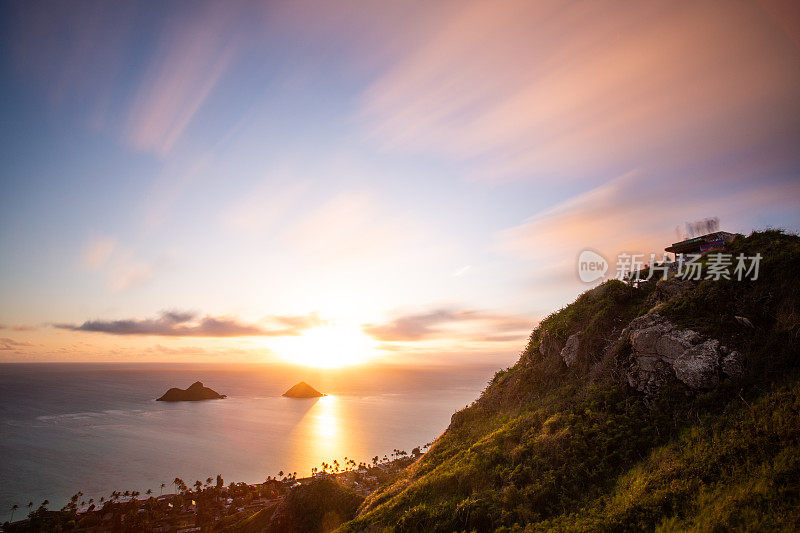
(11, 344)
(195, 50)
(189, 324)
(633, 213)
(180, 350)
(120, 265)
(544, 91)
(98, 251)
(22, 327)
(437, 324)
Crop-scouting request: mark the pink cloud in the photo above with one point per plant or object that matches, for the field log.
(192, 56)
(633, 213)
(440, 323)
(544, 90)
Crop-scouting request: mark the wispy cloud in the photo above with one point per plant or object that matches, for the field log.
(11, 344)
(437, 324)
(121, 267)
(544, 91)
(98, 251)
(632, 213)
(194, 52)
(190, 324)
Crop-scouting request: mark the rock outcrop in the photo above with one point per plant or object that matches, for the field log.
(196, 392)
(662, 351)
(569, 354)
(549, 347)
(303, 390)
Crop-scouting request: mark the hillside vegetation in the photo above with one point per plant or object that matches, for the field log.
(579, 447)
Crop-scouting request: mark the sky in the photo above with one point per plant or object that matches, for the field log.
(347, 182)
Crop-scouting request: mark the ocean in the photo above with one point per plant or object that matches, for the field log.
(97, 428)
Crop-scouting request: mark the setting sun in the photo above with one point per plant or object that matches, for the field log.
(327, 347)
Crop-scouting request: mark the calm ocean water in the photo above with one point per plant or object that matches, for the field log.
(96, 427)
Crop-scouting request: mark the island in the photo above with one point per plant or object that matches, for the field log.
(195, 393)
(303, 390)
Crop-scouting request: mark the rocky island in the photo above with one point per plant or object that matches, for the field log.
(303, 390)
(195, 393)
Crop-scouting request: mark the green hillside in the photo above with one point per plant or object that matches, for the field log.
(702, 433)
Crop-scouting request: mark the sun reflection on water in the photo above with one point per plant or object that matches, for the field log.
(326, 425)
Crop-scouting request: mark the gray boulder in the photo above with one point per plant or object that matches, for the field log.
(662, 351)
(569, 354)
(698, 367)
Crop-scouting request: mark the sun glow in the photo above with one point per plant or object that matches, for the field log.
(328, 347)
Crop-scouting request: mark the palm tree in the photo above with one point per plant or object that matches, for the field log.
(30, 505)
(148, 492)
(280, 474)
(177, 481)
(13, 508)
(162, 488)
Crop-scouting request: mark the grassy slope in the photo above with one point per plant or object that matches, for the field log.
(546, 446)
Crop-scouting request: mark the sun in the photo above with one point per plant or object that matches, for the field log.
(328, 346)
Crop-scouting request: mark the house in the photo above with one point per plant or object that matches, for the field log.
(698, 245)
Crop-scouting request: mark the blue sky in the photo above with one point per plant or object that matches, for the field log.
(427, 171)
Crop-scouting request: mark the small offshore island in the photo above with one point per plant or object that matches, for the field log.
(303, 390)
(195, 393)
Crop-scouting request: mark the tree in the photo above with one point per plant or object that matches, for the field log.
(162, 488)
(13, 508)
(220, 481)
